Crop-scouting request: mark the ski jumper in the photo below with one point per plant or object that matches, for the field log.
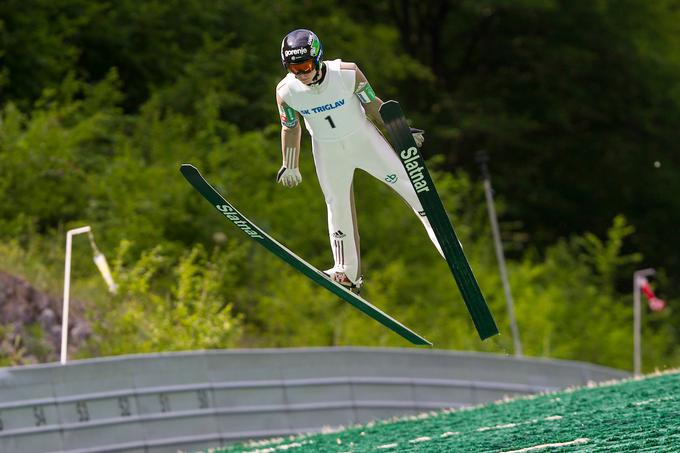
(343, 139)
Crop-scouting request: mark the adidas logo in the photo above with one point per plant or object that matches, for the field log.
(338, 235)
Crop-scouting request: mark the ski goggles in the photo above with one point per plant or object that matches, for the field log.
(302, 68)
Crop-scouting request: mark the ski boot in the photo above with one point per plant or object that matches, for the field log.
(342, 278)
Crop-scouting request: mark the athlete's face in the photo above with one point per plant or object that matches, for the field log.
(307, 77)
(304, 71)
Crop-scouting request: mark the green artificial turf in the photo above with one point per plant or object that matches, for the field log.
(636, 415)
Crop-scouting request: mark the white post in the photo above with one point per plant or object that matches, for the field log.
(67, 287)
(637, 318)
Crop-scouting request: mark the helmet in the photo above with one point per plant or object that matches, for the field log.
(301, 45)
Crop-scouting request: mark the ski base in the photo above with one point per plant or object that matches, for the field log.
(405, 147)
(199, 183)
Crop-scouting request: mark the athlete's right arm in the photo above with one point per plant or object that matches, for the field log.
(289, 173)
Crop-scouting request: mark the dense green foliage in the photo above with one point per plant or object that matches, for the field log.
(101, 102)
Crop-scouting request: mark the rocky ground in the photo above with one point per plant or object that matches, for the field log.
(30, 323)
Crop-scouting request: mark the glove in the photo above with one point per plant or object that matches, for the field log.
(289, 177)
(418, 136)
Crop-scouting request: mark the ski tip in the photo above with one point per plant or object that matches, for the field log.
(389, 104)
(188, 169)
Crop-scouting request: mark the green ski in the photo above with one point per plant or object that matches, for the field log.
(413, 162)
(250, 229)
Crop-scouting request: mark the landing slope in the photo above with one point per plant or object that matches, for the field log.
(640, 415)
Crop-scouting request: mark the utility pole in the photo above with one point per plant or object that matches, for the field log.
(482, 159)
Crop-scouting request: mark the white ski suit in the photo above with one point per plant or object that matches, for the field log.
(343, 139)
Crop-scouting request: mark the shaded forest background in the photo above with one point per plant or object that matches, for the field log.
(576, 102)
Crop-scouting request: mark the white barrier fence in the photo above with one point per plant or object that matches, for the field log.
(197, 400)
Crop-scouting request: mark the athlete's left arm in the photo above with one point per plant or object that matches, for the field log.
(366, 95)
(372, 103)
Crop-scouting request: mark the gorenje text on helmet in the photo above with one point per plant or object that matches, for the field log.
(302, 51)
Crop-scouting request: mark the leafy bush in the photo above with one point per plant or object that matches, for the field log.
(167, 305)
